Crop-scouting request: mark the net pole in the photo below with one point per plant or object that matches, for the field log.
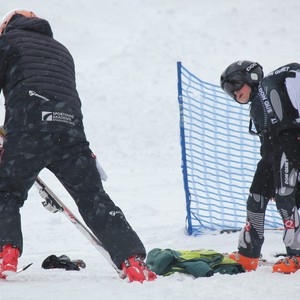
(189, 228)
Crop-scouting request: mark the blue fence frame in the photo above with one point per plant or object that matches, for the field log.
(219, 157)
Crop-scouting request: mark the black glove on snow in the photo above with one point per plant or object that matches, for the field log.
(62, 262)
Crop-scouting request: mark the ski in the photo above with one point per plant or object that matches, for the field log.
(264, 262)
(24, 268)
(233, 230)
(261, 262)
(53, 204)
(230, 230)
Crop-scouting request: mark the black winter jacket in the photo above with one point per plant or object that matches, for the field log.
(271, 109)
(37, 76)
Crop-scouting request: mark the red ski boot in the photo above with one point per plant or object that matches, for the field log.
(287, 265)
(248, 263)
(10, 255)
(136, 270)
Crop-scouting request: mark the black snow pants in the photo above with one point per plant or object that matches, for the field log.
(73, 163)
(275, 177)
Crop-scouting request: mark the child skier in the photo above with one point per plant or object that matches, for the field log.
(275, 112)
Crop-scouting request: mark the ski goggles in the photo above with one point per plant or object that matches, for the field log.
(233, 84)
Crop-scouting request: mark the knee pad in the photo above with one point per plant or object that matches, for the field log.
(257, 203)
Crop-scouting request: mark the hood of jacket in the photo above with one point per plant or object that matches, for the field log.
(19, 22)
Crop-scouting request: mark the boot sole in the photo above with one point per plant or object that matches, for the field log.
(9, 273)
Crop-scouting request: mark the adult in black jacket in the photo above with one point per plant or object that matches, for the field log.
(44, 129)
(275, 113)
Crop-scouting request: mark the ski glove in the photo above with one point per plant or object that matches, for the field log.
(63, 262)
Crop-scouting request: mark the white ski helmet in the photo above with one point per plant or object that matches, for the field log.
(5, 20)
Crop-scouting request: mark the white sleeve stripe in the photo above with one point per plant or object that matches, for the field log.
(293, 89)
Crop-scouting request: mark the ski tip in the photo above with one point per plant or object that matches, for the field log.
(24, 268)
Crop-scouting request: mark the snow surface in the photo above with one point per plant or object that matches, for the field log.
(126, 53)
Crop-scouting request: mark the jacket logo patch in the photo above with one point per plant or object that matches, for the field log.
(49, 116)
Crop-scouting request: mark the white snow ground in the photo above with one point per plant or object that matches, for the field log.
(126, 53)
